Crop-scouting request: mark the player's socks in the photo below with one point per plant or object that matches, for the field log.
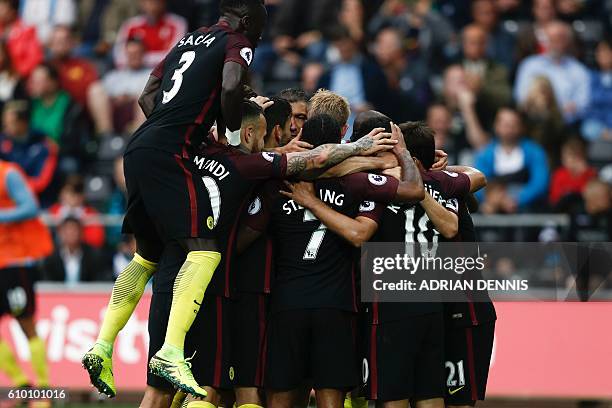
(201, 404)
(8, 364)
(187, 295)
(127, 291)
(179, 398)
(250, 406)
(355, 402)
(39, 361)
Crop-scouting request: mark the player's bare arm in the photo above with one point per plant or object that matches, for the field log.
(445, 221)
(357, 164)
(147, 98)
(477, 178)
(411, 184)
(231, 94)
(309, 165)
(356, 231)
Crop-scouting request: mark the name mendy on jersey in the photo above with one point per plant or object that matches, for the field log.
(192, 39)
(325, 195)
(212, 166)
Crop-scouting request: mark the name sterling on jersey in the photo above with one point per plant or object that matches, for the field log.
(192, 40)
(325, 195)
(212, 166)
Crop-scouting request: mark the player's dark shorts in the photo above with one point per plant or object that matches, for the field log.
(468, 355)
(17, 292)
(311, 345)
(209, 338)
(248, 324)
(405, 359)
(166, 198)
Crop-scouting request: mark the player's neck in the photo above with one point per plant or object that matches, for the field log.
(232, 21)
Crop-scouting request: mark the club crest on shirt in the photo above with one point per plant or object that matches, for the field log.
(247, 55)
(255, 206)
(377, 179)
(268, 156)
(367, 206)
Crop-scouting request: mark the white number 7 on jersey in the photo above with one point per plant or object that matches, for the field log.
(312, 249)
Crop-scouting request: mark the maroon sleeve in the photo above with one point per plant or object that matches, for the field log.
(372, 210)
(372, 187)
(454, 184)
(257, 215)
(158, 71)
(238, 49)
(452, 205)
(261, 166)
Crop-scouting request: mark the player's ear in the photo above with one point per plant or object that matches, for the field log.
(344, 130)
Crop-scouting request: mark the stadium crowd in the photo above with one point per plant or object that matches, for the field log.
(522, 90)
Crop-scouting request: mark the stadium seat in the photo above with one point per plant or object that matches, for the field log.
(600, 152)
(98, 189)
(111, 147)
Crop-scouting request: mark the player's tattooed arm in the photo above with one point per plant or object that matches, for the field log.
(477, 179)
(411, 187)
(232, 90)
(147, 98)
(357, 164)
(356, 231)
(311, 164)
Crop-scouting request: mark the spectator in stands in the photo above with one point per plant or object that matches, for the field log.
(485, 15)
(54, 113)
(117, 204)
(311, 74)
(98, 23)
(568, 76)
(72, 204)
(485, 78)
(125, 252)
(352, 17)
(124, 86)
(73, 261)
(301, 28)
(21, 40)
(408, 78)
(516, 162)
(33, 151)
(158, 29)
(355, 77)
(299, 110)
(11, 86)
(45, 14)
(574, 173)
(80, 79)
(594, 222)
(532, 37)
(439, 119)
(428, 34)
(543, 119)
(598, 115)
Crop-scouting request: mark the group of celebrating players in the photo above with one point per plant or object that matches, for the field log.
(255, 277)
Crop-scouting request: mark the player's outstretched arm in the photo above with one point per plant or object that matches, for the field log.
(444, 220)
(355, 231)
(234, 75)
(357, 164)
(477, 178)
(147, 98)
(411, 187)
(310, 164)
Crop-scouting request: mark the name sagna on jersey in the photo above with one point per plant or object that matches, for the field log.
(193, 40)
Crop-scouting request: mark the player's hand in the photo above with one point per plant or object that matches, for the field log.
(296, 145)
(262, 101)
(396, 134)
(375, 141)
(303, 193)
(441, 160)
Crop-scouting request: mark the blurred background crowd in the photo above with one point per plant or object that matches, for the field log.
(521, 90)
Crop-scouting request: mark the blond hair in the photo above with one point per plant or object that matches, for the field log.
(332, 104)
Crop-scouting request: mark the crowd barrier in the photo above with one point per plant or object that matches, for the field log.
(542, 350)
